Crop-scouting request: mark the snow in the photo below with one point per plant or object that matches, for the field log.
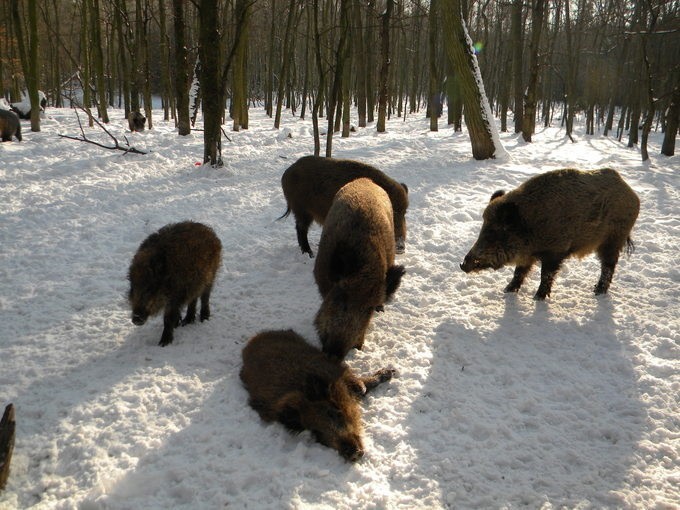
(499, 401)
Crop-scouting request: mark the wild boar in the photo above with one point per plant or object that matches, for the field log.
(354, 269)
(172, 268)
(136, 121)
(292, 382)
(553, 216)
(9, 126)
(310, 184)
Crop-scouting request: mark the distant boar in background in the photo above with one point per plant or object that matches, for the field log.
(172, 268)
(354, 269)
(292, 382)
(9, 126)
(136, 121)
(554, 216)
(310, 184)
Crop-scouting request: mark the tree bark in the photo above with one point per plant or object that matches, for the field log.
(7, 435)
(181, 70)
(672, 122)
(461, 54)
(517, 63)
(529, 121)
(383, 78)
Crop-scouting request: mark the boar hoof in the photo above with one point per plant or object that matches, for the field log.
(511, 288)
(385, 374)
(165, 341)
(350, 451)
(380, 308)
(540, 296)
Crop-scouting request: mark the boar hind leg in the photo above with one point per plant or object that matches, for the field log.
(362, 385)
(302, 222)
(190, 316)
(521, 273)
(205, 304)
(550, 265)
(608, 254)
(171, 320)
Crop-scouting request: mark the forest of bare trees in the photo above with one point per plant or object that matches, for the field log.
(613, 63)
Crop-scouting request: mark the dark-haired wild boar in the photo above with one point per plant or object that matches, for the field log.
(294, 383)
(136, 121)
(310, 184)
(173, 268)
(9, 126)
(354, 269)
(553, 216)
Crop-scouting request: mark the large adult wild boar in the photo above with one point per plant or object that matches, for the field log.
(553, 216)
(9, 126)
(354, 269)
(292, 382)
(173, 268)
(310, 184)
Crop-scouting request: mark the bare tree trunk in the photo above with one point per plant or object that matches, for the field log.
(334, 99)
(672, 122)
(434, 78)
(383, 78)
(477, 110)
(360, 57)
(529, 121)
(517, 64)
(7, 435)
(213, 105)
(29, 56)
(283, 74)
(181, 70)
(98, 61)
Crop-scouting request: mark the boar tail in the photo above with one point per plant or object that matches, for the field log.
(630, 247)
(284, 215)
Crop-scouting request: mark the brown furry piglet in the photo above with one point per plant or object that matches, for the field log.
(310, 184)
(554, 216)
(354, 270)
(172, 268)
(294, 383)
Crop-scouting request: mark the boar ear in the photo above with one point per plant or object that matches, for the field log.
(497, 194)
(316, 387)
(392, 280)
(508, 215)
(405, 187)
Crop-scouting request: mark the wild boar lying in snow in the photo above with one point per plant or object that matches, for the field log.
(9, 126)
(354, 270)
(310, 184)
(172, 268)
(553, 216)
(292, 382)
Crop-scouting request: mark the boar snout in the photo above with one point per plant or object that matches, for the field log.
(138, 318)
(351, 450)
(470, 263)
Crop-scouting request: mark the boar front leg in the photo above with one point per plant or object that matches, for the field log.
(205, 304)
(550, 265)
(190, 316)
(362, 385)
(521, 273)
(171, 320)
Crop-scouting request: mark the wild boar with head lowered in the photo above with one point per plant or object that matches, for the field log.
(551, 217)
(172, 268)
(294, 383)
(354, 269)
(310, 184)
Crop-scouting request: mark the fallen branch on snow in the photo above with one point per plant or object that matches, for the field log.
(116, 145)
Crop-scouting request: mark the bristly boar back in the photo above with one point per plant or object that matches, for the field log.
(551, 217)
(310, 184)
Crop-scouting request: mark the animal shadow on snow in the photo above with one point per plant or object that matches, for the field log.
(542, 409)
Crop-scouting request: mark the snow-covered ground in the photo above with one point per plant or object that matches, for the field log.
(499, 402)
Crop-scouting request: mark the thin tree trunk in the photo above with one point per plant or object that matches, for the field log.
(284, 63)
(529, 121)
(383, 78)
(181, 70)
